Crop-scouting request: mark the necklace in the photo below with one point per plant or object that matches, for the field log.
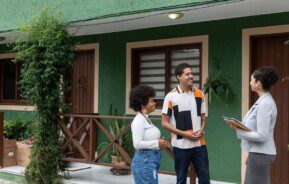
(147, 119)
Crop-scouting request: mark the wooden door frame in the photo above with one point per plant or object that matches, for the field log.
(95, 47)
(246, 68)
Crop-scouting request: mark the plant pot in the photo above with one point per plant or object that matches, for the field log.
(23, 154)
(119, 161)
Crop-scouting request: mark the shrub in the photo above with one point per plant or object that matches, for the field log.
(18, 129)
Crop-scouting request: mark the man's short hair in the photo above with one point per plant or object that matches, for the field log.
(180, 69)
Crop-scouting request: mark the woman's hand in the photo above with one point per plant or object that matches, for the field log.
(163, 143)
(233, 127)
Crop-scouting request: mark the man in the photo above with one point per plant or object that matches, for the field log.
(183, 115)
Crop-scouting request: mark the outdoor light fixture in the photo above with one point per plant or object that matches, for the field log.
(175, 15)
(2, 38)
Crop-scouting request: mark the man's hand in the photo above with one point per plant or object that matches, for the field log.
(199, 133)
(191, 136)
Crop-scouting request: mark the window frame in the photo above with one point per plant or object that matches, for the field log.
(167, 49)
(16, 100)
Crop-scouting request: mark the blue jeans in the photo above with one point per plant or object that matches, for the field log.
(145, 165)
(199, 157)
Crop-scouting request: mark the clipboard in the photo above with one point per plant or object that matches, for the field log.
(235, 122)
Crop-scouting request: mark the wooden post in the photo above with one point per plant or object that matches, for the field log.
(92, 140)
(1, 138)
(192, 174)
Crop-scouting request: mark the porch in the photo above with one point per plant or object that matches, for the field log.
(79, 137)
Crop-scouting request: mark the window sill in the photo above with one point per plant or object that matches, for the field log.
(15, 107)
(157, 112)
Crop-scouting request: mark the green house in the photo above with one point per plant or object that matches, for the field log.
(130, 42)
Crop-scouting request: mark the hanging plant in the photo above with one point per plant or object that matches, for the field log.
(218, 85)
(46, 54)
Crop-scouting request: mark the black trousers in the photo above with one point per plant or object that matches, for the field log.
(199, 157)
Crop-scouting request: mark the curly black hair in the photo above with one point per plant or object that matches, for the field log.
(179, 70)
(139, 96)
(267, 75)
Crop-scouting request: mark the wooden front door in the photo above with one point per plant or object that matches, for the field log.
(271, 50)
(82, 98)
(83, 83)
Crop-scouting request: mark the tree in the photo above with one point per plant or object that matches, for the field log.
(46, 53)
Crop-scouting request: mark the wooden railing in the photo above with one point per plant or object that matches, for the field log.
(79, 136)
(88, 125)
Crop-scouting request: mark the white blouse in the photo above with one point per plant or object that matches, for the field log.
(144, 134)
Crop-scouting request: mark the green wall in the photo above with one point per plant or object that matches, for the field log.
(11, 115)
(224, 44)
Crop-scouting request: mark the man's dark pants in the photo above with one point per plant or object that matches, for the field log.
(199, 157)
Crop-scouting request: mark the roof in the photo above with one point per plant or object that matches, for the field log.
(15, 13)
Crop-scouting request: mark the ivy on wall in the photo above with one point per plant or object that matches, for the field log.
(45, 51)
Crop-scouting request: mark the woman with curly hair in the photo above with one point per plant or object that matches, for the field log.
(146, 136)
(261, 120)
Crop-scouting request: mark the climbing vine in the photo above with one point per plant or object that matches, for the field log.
(45, 51)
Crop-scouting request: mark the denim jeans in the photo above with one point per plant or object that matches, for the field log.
(145, 165)
(199, 157)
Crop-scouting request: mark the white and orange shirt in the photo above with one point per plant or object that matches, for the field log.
(185, 111)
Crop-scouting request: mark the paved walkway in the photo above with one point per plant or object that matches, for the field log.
(6, 182)
(95, 174)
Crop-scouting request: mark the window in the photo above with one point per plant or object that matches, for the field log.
(156, 67)
(9, 77)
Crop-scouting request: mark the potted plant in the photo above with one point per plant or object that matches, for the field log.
(18, 129)
(218, 85)
(115, 127)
